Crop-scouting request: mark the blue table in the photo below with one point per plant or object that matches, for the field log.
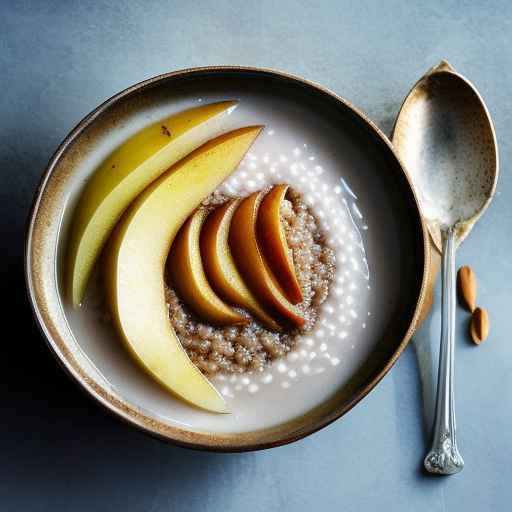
(59, 451)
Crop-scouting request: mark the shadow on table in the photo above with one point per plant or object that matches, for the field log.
(51, 434)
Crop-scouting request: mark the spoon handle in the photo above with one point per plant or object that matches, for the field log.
(444, 457)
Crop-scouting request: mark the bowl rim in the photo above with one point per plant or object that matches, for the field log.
(122, 410)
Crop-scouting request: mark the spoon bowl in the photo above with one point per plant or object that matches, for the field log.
(446, 139)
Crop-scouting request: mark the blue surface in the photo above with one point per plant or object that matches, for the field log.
(59, 451)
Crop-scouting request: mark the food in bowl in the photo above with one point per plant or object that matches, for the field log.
(245, 278)
(244, 340)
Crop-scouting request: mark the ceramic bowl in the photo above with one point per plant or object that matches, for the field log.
(396, 244)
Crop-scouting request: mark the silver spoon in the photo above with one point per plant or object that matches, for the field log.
(446, 139)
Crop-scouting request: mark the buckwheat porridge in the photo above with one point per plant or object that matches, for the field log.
(240, 349)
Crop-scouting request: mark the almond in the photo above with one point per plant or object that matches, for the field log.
(479, 325)
(466, 283)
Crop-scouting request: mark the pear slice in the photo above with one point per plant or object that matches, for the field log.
(135, 261)
(220, 267)
(188, 277)
(273, 244)
(251, 263)
(124, 175)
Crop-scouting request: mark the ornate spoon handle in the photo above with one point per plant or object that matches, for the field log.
(444, 457)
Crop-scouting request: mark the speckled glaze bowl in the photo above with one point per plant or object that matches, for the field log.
(397, 244)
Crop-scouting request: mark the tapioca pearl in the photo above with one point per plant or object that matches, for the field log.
(338, 291)
(285, 384)
(319, 334)
(226, 392)
(335, 361)
(253, 388)
(283, 159)
(267, 379)
(329, 310)
(322, 347)
(353, 313)
(292, 374)
(342, 335)
(281, 368)
(293, 356)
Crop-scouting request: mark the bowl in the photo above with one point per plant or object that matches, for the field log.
(381, 206)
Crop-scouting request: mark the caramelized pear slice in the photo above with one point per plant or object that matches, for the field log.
(188, 277)
(273, 244)
(220, 267)
(252, 265)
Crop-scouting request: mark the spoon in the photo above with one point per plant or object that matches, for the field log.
(445, 137)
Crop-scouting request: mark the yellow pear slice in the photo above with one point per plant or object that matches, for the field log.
(124, 175)
(220, 267)
(188, 277)
(135, 260)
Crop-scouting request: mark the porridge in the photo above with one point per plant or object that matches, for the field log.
(239, 349)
